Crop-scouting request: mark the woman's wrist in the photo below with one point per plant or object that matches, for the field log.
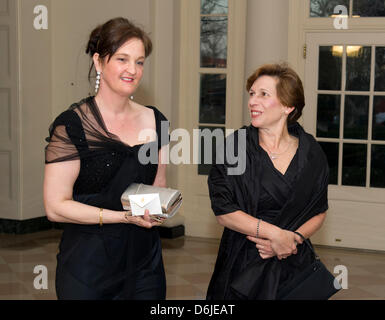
(269, 231)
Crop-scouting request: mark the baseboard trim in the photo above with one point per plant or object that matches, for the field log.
(171, 232)
(10, 226)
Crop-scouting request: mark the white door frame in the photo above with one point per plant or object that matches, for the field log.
(199, 219)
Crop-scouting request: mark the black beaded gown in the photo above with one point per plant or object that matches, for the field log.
(113, 261)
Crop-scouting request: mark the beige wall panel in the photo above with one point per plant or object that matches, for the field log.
(5, 174)
(9, 110)
(72, 23)
(35, 105)
(345, 226)
(202, 225)
(5, 115)
(4, 7)
(4, 51)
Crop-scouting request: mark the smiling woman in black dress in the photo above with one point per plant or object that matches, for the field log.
(283, 189)
(91, 158)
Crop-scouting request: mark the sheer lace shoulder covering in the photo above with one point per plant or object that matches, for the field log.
(79, 132)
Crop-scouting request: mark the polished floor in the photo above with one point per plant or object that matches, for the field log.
(188, 262)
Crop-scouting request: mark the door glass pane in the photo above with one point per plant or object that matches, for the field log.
(208, 138)
(328, 115)
(358, 68)
(378, 118)
(213, 99)
(214, 42)
(214, 6)
(377, 176)
(379, 84)
(325, 8)
(354, 165)
(369, 8)
(330, 66)
(331, 151)
(356, 117)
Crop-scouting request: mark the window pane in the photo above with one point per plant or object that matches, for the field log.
(213, 99)
(380, 69)
(214, 42)
(354, 165)
(358, 68)
(328, 116)
(331, 151)
(214, 6)
(208, 138)
(378, 118)
(330, 66)
(356, 117)
(369, 8)
(325, 8)
(377, 175)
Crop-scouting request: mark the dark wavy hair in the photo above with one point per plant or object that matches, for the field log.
(289, 87)
(107, 38)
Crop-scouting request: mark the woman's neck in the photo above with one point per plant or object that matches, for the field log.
(274, 138)
(112, 103)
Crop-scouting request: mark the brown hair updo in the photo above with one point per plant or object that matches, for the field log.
(107, 38)
(289, 87)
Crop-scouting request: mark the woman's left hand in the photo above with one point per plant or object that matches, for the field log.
(263, 246)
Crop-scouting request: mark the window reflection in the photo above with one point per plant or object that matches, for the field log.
(325, 8)
(213, 99)
(358, 68)
(328, 116)
(356, 117)
(354, 165)
(369, 8)
(379, 84)
(379, 118)
(213, 42)
(330, 68)
(214, 6)
(331, 152)
(377, 177)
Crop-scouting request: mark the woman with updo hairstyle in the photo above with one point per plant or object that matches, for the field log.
(92, 156)
(279, 200)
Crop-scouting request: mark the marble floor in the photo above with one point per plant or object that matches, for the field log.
(188, 262)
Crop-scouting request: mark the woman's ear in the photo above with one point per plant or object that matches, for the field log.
(289, 110)
(97, 62)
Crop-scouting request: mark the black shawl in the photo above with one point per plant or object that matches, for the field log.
(259, 278)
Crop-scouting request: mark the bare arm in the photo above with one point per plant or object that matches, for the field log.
(59, 179)
(282, 241)
(309, 228)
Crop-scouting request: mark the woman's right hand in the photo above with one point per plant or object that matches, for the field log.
(144, 221)
(284, 243)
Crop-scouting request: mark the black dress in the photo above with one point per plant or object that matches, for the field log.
(113, 261)
(287, 201)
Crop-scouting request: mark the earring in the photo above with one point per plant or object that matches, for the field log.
(132, 97)
(97, 84)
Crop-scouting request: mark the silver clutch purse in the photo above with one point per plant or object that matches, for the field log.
(170, 199)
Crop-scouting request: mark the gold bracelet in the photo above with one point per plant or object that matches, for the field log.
(101, 216)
